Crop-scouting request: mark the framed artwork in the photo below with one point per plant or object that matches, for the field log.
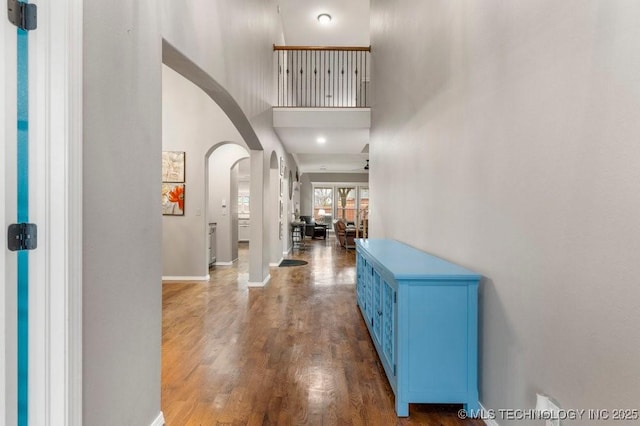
(290, 185)
(173, 166)
(172, 199)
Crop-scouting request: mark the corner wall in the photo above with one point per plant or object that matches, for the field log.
(121, 218)
(510, 146)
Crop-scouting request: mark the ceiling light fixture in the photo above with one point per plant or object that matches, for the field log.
(321, 140)
(324, 18)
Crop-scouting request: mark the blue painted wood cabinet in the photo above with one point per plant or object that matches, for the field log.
(421, 312)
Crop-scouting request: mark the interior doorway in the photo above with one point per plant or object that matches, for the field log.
(221, 201)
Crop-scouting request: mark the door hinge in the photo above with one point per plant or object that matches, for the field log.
(394, 369)
(22, 15)
(22, 236)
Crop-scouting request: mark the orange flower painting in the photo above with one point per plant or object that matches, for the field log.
(173, 199)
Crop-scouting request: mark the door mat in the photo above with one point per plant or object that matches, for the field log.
(293, 262)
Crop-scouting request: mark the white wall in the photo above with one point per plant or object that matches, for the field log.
(121, 217)
(232, 42)
(123, 138)
(194, 123)
(510, 146)
(223, 185)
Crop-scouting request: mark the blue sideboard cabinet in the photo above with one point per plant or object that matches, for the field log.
(422, 315)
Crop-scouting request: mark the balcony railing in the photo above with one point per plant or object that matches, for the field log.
(323, 77)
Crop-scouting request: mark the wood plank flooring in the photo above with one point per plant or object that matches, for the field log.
(296, 352)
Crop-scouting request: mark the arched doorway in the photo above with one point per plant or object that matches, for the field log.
(221, 195)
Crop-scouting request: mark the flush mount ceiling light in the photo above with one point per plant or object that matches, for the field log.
(321, 140)
(324, 18)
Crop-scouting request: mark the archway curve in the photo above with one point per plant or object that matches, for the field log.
(184, 66)
(217, 145)
(273, 160)
(226, 250)
(177, 61)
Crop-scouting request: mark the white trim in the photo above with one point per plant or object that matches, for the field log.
(56, 356)
(336, 184)
(185, 278)
(159, 421)
(276, 264)
(485, 416)
(226, 263)
(65, 194)
(260, 284)
(286, 253)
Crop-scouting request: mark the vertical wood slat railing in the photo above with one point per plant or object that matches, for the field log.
(323, 77)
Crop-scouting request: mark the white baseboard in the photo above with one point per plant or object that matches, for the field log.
(226, 263)
(286, 253)
(185, 278)
(260, 284)
(159, 421)
(485, 417)
(276, 264)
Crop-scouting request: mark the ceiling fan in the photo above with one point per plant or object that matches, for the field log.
(359, 169)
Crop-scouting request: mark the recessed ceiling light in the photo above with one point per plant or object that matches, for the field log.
(324, 18)
(321, 140)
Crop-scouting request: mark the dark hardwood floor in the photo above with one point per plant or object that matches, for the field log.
(296, 352)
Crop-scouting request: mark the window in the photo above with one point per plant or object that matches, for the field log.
(323, 204)
(243, 204)
(347, 201)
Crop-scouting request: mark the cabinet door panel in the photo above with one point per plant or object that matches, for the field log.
(369, 293)
(388, 322)
(377, 307)
(359, 280)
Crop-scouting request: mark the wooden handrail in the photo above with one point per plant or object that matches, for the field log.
(328, 48)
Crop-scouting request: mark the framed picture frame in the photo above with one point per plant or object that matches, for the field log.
(173, 166)
(290, 185)
(172, 199)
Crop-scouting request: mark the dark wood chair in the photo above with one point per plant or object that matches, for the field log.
(313, 229)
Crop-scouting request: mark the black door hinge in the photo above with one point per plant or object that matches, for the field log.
(22, 236)
(22, 15)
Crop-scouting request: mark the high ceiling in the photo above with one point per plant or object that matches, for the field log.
(343, 150)
(349, 26)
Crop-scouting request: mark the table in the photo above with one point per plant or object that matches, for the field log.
(422, 314)
(297, 234)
